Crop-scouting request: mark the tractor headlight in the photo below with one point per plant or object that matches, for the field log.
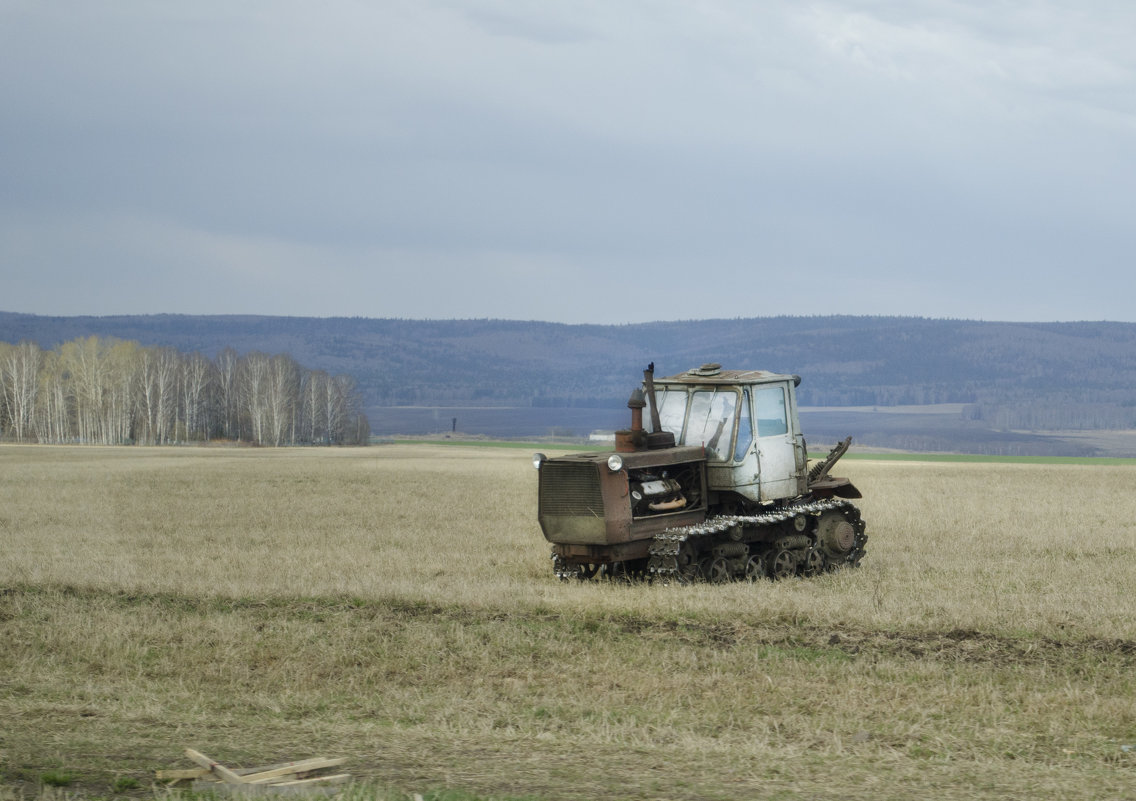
(615, 463)
(538, 460)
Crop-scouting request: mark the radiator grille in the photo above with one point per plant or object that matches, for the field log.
(570, 489)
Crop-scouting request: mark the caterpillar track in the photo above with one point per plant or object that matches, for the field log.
(796, 539)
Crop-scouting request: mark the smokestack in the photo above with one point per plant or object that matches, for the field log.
(649, 381)
(657, 438)
(634, 438)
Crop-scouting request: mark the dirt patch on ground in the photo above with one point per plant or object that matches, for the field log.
(955, 645)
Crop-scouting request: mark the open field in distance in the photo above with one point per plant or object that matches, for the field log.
(395, 605)
(925, 428)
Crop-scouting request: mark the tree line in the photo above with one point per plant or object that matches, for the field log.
(108, 391)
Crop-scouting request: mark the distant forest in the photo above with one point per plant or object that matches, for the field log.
(108, 391)
(1029, 376)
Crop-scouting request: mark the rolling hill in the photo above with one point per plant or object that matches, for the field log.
(999, 381)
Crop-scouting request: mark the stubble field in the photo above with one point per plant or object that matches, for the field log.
(395, 605)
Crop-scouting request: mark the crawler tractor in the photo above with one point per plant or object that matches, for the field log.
(719, 489)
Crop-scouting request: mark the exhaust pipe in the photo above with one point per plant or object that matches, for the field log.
(657, 438)
(634, 438)
(649, 382)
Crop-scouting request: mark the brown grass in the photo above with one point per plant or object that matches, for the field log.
(396, 605)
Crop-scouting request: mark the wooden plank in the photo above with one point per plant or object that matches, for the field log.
(338, 778)
(250, 771)
(291, 768)
(205, 762)
(241, 791)
(204, 774)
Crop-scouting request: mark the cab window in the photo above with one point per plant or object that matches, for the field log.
(745, 429)
(710, 422)
(672, 410)
(769, 406)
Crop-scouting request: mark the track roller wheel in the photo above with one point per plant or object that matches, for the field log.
(813, 562)
(719, 571)
(686, 565)
(585, 572)
(755, 569)
(782, 565)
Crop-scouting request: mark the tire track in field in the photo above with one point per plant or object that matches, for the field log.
(962, 645)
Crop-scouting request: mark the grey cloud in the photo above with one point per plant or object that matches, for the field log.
(898, 156)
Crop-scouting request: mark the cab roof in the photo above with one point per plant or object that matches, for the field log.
(714, 374)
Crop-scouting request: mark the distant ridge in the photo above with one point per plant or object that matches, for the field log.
(1035, 376)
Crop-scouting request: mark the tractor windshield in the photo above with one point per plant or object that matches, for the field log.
(672, 410)
(711, 422)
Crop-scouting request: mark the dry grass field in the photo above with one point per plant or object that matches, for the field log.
(395, 605)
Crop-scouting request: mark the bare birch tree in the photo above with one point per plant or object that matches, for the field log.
(110, 391)
(314, 410)
(280, 399)
(84, 360)
(197, 375)
(5, 413)
(53, 415)
(157, 394)
(20, 367)
(254, 392)
(228, 373)
(120, 395)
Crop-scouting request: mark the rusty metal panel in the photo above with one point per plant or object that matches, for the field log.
(582, 502)
(571, 502)
(662, 458)
(601, 554)
(570, 488)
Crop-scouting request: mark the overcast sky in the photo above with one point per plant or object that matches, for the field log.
(589, 161)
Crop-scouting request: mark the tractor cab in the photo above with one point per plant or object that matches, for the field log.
(746, 420)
